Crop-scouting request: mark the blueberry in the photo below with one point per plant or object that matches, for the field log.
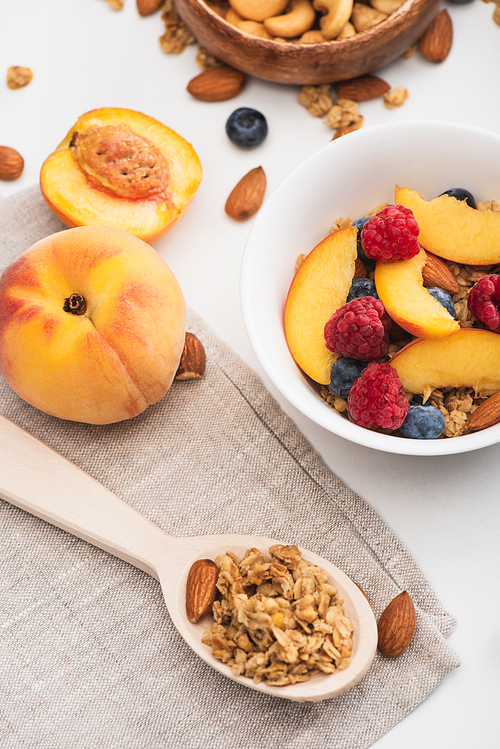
(445, 299)
(362, 287)
(461, 193)
(246, 128)
(460, 2)
(343, 375)
(359, 223)
(423, 422)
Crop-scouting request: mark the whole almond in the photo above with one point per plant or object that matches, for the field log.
(436, 273)
(216, 84)
(435, 44)
(359, 272)
(487, 414)
(193, 359)
(11, 163)
(246, 198)
(362, 88)
(145, 7)
(201, 589)
(396, 626)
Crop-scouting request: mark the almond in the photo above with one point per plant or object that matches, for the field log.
(246, 198)
(359, 272)
(216, 84)
(11, 163)
(193, 359)
(487, 414)
(436, 273)
(396, 626)
(435, 44)
(362, 88)
(145, 7)
(201, 589)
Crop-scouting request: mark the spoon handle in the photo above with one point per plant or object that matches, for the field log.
(39, 480)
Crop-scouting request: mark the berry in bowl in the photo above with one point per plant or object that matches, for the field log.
(383, 327)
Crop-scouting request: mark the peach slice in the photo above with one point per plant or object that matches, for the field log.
(319, 287)
(120, 168)
(407, 301)
(468, 358)
(452, 229)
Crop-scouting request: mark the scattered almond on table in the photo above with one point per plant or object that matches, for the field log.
(435, 44)
(396, 626)
(11, 163)
(193, 359)
(217, 84)
(246, 198)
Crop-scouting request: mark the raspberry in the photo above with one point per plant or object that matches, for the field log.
(484, 302)
(377, 399)
(359, 329)
(391, 235)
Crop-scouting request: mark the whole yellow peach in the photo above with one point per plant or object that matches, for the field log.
(92, 325)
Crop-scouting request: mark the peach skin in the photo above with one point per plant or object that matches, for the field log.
(92, 325)
(319, 287)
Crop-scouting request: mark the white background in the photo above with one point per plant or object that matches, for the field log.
(446, 510)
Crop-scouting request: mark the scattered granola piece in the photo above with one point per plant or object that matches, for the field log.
(346, 130)
(18, 77)
(490, 205)
(177, 36)
(316, 99)
(496, 13)
(299, 261)
(206, 60)
(341, 223)
(344, 113)
(396, 97)
(116, 4)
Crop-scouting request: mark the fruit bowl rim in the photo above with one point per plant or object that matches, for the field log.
(301, 393)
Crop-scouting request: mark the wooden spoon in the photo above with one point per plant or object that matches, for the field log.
(39, 480)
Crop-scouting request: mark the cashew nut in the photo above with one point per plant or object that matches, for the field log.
(233, 18)
(337, 15)
(363, 17)
(254, 28)
(387, 6)
(258, 10)
(347, 31)
(312, 37)
(299, 20)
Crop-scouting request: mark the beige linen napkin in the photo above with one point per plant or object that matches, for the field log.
(88, 655)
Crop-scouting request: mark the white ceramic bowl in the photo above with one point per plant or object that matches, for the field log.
(349, 177)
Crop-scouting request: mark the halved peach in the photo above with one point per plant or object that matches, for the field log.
(319, 287)
(121, 168)
(400, 287)
(468, 358)
(452, 229)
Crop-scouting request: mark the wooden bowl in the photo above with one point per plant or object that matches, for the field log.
(309, 63)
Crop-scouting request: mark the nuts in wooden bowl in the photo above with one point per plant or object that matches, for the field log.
(307, 41)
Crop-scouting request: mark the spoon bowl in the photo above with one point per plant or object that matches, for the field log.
(39, 480)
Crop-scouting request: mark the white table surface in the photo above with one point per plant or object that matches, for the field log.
(446, 510)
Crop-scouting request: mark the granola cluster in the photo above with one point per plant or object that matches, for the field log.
(278, 619)
(177, 36)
